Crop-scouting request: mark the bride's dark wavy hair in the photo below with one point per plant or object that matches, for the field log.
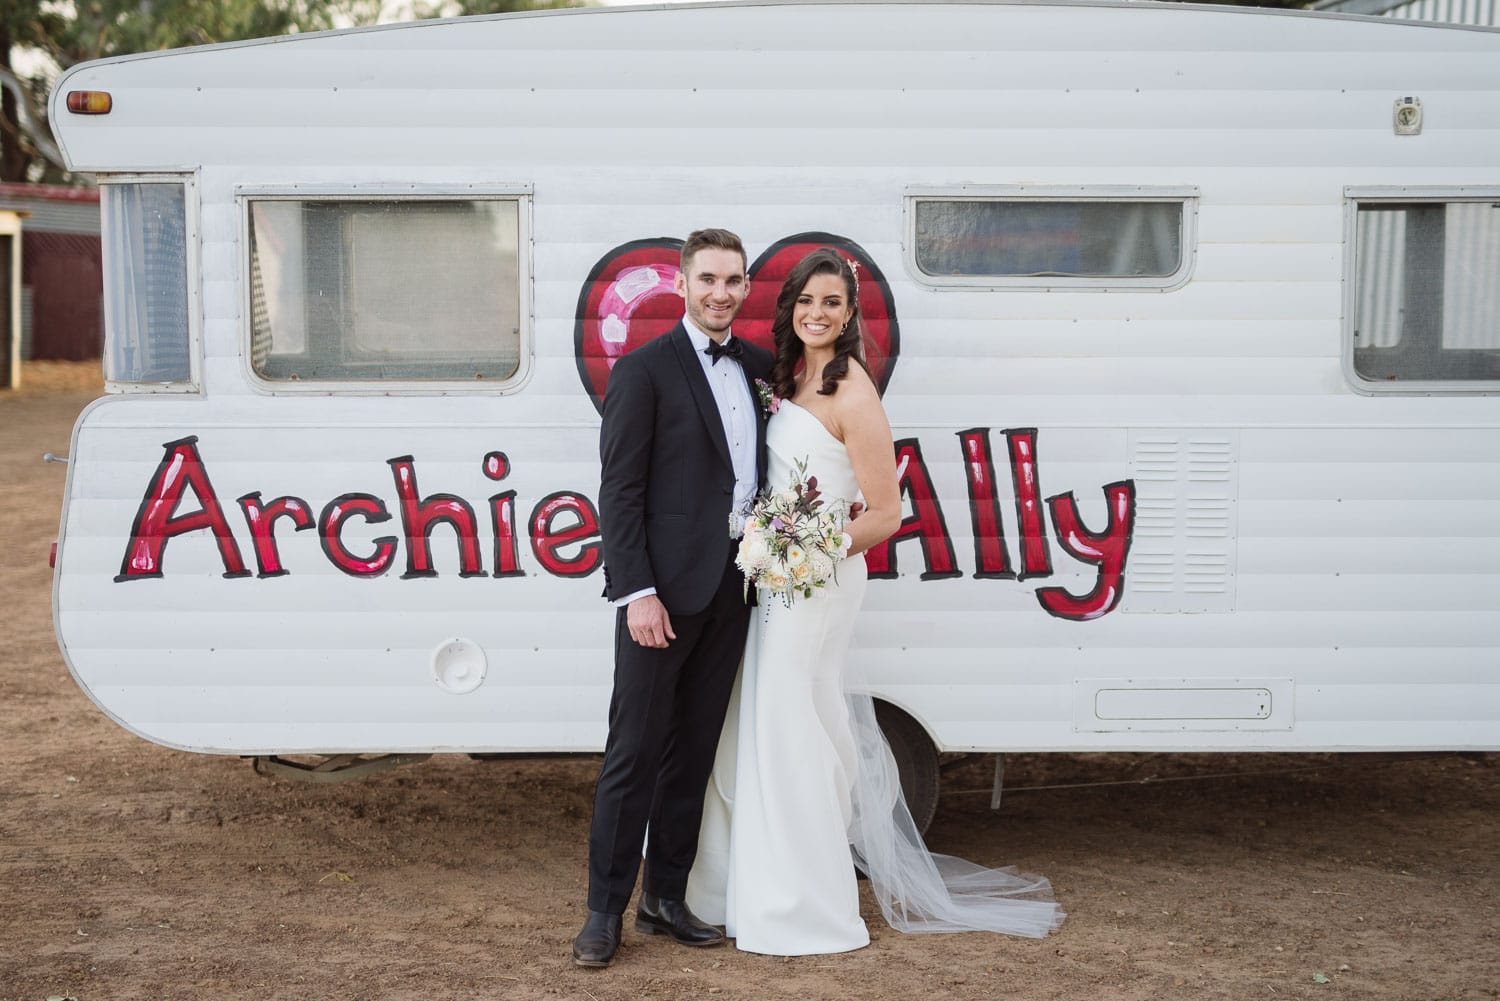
(789, 349)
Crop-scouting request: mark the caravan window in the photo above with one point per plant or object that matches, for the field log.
(367, 290)
(1426, 294)
(145, 235)
(1080, 238)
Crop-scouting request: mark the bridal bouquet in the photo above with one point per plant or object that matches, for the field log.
(793, 542)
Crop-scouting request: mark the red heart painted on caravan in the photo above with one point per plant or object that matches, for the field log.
(628, 300)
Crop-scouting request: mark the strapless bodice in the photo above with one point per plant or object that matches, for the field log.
(795, 435)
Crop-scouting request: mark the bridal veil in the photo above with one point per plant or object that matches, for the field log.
(921, 891)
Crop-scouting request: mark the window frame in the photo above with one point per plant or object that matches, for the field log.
(520, 194)
(1186, 195)
(193, 259)
(1354, 197)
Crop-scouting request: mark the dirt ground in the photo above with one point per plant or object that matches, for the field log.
(131, 871)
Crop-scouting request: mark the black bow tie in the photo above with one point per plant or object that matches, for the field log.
(731, 347)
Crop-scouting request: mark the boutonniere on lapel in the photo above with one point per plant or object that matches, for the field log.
(769, 401)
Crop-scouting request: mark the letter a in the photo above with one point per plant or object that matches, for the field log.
(157, 521)
(925, 523)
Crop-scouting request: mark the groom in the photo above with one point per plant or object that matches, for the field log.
(682, 446)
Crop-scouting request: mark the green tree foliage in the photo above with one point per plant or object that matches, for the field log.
(92, 29)
(68, 33)
(420, 9)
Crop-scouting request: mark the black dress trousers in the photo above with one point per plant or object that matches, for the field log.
(664, 723)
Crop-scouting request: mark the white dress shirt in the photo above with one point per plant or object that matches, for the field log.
(726, 380)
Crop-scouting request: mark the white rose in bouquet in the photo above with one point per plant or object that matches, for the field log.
(755, 554)
(821, 564)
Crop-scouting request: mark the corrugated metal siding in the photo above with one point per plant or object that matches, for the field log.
(1470, 292)
(46, 215)
(8, 296)
(63, 272)
(1482, 12)
(28, 322)
(1380, 282)
(1471, 313)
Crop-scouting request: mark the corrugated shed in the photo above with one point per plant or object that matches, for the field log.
(61, 276)
(1475, 12)
(52, 208)
(1484, 12)
(64, 275)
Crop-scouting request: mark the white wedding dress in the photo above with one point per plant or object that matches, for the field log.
(803, 773)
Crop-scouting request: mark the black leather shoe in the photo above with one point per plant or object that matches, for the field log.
(672, 917)
(596, 944)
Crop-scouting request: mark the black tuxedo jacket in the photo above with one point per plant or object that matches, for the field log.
(667, 480)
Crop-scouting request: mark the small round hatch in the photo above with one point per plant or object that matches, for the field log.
(458, 665)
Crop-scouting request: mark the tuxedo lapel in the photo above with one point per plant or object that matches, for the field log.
(703, 397)
(762, 419)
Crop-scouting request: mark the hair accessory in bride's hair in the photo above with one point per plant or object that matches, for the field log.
(854, 270)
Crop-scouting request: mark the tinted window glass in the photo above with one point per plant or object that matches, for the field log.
(1427, 292)
(144, 238)
(346, 290)
(1027, 238)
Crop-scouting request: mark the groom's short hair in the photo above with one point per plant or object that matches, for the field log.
(719, 239)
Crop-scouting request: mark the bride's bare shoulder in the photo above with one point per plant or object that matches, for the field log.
(857, 400)
(858, 389)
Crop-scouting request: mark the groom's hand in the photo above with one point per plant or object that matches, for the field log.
(649, 623)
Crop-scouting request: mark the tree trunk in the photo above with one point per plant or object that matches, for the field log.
(13, 158)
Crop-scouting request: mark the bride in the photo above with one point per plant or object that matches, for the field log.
(802, 772)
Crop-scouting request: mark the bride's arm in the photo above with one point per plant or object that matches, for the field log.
(867, 438)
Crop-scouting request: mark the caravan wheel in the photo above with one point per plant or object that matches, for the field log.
(916, 760)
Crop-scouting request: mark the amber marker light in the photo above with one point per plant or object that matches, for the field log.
(89, 102)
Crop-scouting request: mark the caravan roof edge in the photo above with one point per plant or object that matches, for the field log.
(1225, 8)
(91, 76)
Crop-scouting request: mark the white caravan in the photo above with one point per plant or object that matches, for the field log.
(1187, 321)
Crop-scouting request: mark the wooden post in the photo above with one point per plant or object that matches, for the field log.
(10, 300)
